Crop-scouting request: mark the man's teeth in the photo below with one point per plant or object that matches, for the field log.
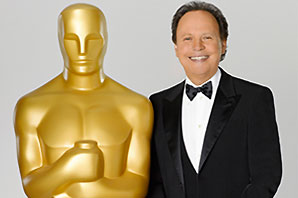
(198, 57)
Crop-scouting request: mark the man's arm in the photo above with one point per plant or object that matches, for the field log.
(263, 148)
(156, 189)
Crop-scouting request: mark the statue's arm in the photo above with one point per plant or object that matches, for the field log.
(139, 151)
(42, 180)
(38, 180)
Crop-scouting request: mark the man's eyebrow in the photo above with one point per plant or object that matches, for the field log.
(186, 34)
(208, 33)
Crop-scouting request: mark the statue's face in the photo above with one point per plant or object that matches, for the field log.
(81, 40)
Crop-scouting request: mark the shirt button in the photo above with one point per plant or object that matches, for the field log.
(201, 97)
(199, 126)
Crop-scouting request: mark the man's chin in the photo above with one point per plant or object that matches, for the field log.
(201, 74)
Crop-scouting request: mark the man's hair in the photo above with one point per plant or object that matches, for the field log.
(208, 7)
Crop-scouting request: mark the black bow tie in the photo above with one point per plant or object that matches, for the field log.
(206, 89)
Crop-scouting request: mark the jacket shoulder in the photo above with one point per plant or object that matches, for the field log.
(245, 86)
(165, 92)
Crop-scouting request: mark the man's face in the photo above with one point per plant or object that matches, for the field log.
(198, 46)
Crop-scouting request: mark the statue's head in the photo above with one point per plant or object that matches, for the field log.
(83, 38)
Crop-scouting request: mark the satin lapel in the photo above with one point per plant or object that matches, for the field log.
(172, 125)
(223, 107)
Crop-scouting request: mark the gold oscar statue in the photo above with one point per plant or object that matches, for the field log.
(83, 135)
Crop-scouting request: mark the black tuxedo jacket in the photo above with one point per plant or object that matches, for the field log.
(241, 152)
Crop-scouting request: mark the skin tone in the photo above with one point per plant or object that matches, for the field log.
(199, 46)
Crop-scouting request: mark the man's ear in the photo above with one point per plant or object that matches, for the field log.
(223, 46)
(176, 49)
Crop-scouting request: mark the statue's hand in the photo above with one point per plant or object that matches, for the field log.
(84, 162)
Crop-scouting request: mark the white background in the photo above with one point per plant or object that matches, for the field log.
(262, 47)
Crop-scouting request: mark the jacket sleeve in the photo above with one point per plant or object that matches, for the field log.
(156, 189)
(263, 148)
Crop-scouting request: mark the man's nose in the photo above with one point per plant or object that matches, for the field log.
(198, 45)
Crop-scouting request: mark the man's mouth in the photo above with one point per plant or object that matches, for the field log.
(198, 58)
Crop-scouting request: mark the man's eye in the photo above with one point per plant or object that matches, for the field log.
(187, 39)
(207, 37)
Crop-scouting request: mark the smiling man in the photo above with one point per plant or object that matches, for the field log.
(215, 136)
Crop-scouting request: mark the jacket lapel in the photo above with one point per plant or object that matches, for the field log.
(223, 107)
(172, 124)
(225, 102)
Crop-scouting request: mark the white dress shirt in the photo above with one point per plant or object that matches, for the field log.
(195, 117)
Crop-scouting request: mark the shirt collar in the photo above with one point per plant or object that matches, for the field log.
(214, 79)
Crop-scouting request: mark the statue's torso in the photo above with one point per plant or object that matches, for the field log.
(69, 117)
(117, 118)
